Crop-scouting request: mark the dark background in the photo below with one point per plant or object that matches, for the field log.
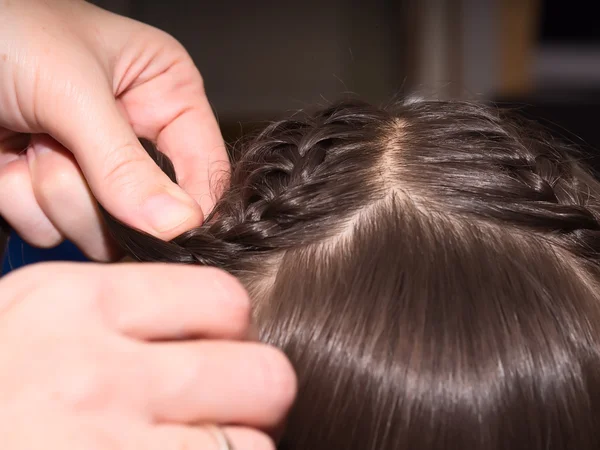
(264, 59)
(570, 21)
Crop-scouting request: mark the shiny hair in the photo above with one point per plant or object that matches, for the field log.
(431, 270)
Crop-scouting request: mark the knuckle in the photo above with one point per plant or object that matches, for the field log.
(15, 181)
(179, 55)
(57, 180)
(122, 164)
(13, 176)
(20, 209)
(170, 44)
(40, 232)
(85, 385)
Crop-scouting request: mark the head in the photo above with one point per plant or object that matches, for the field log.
(431, 270)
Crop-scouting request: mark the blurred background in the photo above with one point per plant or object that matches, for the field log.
(262, 60)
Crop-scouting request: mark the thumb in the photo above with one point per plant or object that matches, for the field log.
(122, 176)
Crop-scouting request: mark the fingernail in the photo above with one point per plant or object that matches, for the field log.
(34, 150)
(165, 213)
(39, 148)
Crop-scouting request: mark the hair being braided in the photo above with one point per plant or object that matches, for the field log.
(424, 267)
(277, 196)
(488, 164)
(294, 180)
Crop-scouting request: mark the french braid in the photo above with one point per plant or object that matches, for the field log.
(466, 160)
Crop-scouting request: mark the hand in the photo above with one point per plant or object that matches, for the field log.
(130, 357)
(95, 81)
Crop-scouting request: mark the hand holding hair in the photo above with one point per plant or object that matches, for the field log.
(94, 81)
(117, 357)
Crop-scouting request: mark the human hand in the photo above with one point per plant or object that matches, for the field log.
(132, 356)
(95, 81)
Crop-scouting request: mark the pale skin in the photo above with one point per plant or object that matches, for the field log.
(96, 81)
(123, 356)
(120, 357)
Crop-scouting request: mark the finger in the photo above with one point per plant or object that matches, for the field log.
(20, 209)
(194, 143)
(175, 437)
(160, 301)
(220, 381)
(64, 197)
(201, 162)
(120, 173)
(184, 126)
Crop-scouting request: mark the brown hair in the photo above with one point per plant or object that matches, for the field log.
(430, 269)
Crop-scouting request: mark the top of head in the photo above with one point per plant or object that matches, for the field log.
(431, 271)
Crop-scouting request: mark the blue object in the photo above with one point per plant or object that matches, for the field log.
(19, 254)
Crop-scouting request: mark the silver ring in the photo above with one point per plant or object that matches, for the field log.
(220, 437)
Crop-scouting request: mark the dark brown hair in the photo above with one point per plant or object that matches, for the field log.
(431, 270)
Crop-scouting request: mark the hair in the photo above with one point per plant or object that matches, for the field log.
(431, 270)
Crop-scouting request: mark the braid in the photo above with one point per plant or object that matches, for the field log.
(298, 179)
(278, 196)
(276, 199)
(198, 246)
(563, 203)
(562, 198)
(499, 167)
